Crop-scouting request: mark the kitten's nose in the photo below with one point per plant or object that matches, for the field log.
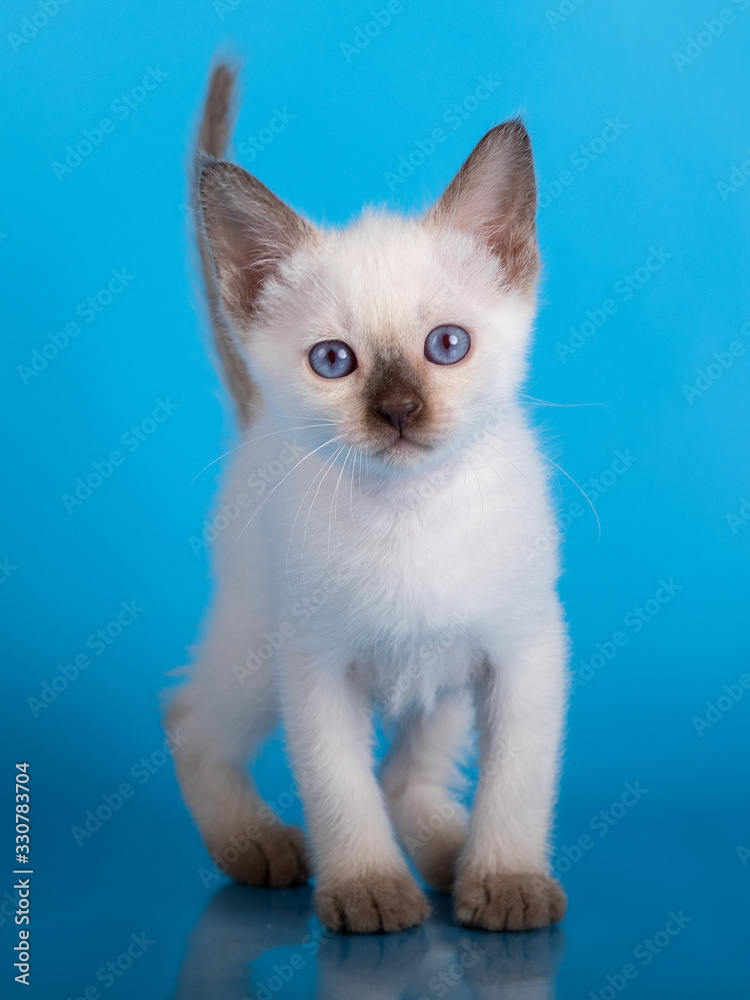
(398, 412)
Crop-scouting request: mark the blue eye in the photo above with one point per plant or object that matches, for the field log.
(332, 359)
(446, 345)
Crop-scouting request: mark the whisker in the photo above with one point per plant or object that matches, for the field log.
(283, 430)
(481, 497)
(294, 524)
(351, 486)
(546, 402)
(546, 458)
(328, 467)
(304, 458)
(333, 501)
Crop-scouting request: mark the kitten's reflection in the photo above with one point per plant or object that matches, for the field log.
(231, 956)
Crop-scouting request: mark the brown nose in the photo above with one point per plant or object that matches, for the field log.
(398, 412)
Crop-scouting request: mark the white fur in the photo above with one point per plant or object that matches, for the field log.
(412, 572)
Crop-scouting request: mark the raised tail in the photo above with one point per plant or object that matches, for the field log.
(215, 130)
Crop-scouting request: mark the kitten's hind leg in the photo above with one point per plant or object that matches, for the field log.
(418, 776)
(221, 723)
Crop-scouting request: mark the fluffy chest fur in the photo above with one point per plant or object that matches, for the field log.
(402, 576)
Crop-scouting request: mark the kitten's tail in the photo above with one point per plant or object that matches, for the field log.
(215, 130)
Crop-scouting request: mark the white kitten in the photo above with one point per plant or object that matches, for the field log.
(384, 566)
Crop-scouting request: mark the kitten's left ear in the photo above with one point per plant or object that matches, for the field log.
(493, 197)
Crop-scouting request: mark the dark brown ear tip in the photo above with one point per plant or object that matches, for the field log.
(513, 130)
(213, 174)
(207, 173)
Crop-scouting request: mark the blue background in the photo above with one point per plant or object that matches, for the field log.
(656, 186)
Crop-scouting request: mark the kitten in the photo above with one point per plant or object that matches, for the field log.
(384, 564)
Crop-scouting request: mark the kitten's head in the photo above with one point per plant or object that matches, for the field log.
(396, 335)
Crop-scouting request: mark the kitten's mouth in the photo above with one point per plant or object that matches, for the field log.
(403, 443)
(403, 446)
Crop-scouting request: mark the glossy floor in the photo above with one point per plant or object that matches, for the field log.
(135, 913)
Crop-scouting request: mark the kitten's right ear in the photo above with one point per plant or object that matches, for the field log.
(249, 230)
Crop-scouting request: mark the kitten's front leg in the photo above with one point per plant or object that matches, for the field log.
(363, 883)
(503, 882)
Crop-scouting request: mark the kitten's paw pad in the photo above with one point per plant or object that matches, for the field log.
(509, 902)
(278, 857)
(371, 904)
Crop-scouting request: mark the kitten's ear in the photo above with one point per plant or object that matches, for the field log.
(493, 196)
(249, 230)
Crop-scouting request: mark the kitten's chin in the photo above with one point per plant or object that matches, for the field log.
(405, 454)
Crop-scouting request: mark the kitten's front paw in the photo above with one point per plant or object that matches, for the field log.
(371, 904)
(509, 902)
(278, 857)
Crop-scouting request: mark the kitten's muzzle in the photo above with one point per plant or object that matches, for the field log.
(398, 412)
